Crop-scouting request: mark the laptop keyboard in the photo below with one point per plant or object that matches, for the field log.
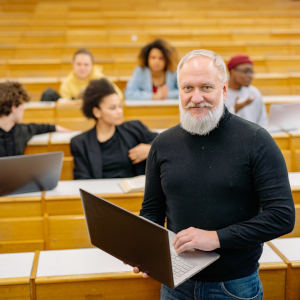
(180, 266)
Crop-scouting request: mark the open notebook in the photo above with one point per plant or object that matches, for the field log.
(134, 184)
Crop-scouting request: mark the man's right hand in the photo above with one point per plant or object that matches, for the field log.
(240, 105)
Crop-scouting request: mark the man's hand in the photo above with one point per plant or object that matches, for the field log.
(139, 153)
(59, 128)
(193, 238)
(240, 105)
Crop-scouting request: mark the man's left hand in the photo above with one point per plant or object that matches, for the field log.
(139, 153)
(193, 238)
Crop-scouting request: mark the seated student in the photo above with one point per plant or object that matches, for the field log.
(244, 99)
(14, 135)
(111, 149)
(155, 78)
(84, 70)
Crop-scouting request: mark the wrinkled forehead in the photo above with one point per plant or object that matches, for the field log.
(199, 68)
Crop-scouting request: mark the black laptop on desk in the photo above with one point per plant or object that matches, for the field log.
(30, 173)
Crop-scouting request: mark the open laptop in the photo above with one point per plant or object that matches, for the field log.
(284, 117)
(140, 242)
(29, 173)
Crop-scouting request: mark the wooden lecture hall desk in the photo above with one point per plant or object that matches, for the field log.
(289, 250)
(269, 100)
(154, 114)
(15, 274)
(60, 141)
(65, 198)
(64, 218)
(39, 112)
(91, 273)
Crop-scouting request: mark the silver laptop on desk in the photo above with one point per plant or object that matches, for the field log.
(30, 173)
(284, 117)
(140, 242)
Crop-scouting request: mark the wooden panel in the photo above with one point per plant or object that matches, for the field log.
(273, 282)
(295, 283)
(20, 229)
(155, 122)
(130, 111)
(82, 124)
(13, 207)
(71, 205)
(22, 246)
(282, 140)
(68, 232)
(296, 160)
(296, 194)
(287, 154)
(61, 147)
(296, 231)
(31, 113)
(15, 291)
(295, 141)
(67, 169)
(34, 149)
(69, 111)
(114, 288)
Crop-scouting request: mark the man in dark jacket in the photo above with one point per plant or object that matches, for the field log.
(220, 181)
(14, 135)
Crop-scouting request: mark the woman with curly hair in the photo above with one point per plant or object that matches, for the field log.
(111, 149)
(155, 77)
(14, 135)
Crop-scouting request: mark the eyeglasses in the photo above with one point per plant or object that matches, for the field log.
(246, 71)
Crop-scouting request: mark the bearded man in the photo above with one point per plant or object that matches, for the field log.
(221, 183)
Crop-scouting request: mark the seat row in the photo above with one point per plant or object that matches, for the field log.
(88, 273)
(54, 220)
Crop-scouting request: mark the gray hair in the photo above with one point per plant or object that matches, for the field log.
(217, 59)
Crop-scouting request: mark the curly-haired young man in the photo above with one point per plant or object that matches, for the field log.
(14, 135)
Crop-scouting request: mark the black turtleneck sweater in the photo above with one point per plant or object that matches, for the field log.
(233, 180)
(13, 142)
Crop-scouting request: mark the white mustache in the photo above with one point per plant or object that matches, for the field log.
(200, 105)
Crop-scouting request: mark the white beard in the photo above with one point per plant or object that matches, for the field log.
(202, 125)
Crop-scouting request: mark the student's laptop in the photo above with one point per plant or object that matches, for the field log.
(284, 117)
(140, 242)
(30, 173)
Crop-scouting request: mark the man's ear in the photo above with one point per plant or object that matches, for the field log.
(225, 90)
(97, 112)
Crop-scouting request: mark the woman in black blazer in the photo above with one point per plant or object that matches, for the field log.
(111, 149)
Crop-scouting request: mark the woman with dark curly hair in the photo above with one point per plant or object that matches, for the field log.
(155, 78)
(14, 135)
(111, 149)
